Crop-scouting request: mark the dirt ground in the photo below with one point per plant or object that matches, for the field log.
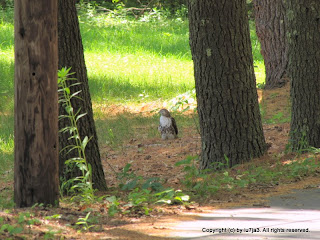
(154, 157)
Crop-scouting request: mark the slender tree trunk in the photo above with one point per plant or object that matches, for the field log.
(71, 55)
(303, 18)
(228, 107)
(271, 31)
(36, 103)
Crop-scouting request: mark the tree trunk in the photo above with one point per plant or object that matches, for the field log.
(230, 122)
(271, 31)
(71, 55)
(303, 19)
(36, 103)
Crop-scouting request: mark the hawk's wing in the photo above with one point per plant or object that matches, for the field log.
(174, 125)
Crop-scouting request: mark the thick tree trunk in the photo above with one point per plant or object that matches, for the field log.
(71, 55)
(303, 19)
(228, 107)
(36, 103)
(271, 31)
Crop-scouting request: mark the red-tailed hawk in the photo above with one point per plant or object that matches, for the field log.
(168, 127)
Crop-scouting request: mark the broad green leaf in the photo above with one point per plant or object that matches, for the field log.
(80, 116)
(84, 142)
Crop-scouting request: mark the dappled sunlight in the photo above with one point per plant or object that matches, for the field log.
(184, 103)
(131, 77)
(136, 68)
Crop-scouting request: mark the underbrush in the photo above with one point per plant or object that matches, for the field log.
(203, 184)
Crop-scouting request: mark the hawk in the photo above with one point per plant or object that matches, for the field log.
(168, 127)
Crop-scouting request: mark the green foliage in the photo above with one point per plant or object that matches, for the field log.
(113, 45)
(200, 182)
(6, 5)
(81, 184)
(10, 229)
(278, 118)
(114, 205)
(302, 169)
(24, 218)
(205, 184)
(298, 142)
(50, 234)
(141, 194)
(84, 222)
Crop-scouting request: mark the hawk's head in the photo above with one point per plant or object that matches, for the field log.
(165, 113)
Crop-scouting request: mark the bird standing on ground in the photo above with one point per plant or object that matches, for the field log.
(168, 127)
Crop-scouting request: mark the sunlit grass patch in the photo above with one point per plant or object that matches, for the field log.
(128, 61)
(260, 72)
(169, 38)
(6, 80)
(119, 77)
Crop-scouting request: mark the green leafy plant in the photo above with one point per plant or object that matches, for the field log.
(83, 183)
(24, 218)
(171, 196)
(113, 205)
(84, 222)
(198, 181)
(50, 234)
(301, 145)
(141, 194)
(11, 229)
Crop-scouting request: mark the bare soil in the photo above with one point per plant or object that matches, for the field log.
(154, 157)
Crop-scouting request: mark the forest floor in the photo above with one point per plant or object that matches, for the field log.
(153, 157)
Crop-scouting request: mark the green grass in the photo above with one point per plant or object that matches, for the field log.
(127, 126)
(6, 61)
(126, 58)
(127, 61)
(6, 100)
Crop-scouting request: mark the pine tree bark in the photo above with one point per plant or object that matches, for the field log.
(303, 19)
(230, 121)
(36, 103)
(271, 32)
(71, 55)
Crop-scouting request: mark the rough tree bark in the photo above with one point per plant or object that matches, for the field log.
(36, 103)
(271, 32)
(71, 55)
(228, 107)
(303, 19)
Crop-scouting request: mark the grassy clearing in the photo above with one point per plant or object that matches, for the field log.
(126, 58)
(129, 58)
(118, 78)
(127, 61)
(6, 104)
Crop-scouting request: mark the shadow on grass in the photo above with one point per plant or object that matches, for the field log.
(114, 131)
(120, 90)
